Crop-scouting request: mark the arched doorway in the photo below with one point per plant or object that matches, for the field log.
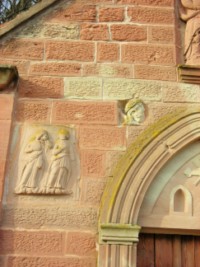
(144, 179)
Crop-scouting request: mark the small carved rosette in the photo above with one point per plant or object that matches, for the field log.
(45, 163)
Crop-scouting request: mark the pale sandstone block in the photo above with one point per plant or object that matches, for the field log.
(66, 217)
(93, 163)
(148, 2)
(92, 191)
(103, 138)
(5, 127)
(85, 88)
(81, 244)
(6, 106)
(126, 88)
(64, 31)
(85, 112)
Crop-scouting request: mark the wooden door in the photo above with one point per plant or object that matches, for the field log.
(158, 250)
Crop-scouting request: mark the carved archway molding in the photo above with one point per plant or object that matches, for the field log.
(133, 175)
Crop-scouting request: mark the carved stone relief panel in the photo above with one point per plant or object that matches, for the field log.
(133, 112)
(173, 198)
(47, 161)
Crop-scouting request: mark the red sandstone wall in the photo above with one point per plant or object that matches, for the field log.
(83, 58)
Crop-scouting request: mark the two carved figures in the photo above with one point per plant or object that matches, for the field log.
(190, 13)
(33, 163)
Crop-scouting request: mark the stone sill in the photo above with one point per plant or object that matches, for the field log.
(23, 16)
(8, 75)
(189, 74)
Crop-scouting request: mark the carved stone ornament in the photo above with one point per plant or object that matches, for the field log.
(134, 112)
(190, 13)
(45, 166)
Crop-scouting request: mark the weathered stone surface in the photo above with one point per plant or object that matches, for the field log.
(76, 12)
(161, 34)
(108, 70)
(181, 93)
(5, 127)
(103, 138)
(85, 88)
(85, 112)
(26, 242)
(55, 68)
(64, 31)
(148, 2)
(35, 110)
(107, 52)
(22, 49)
(66, 217)
(41, 87)
(127, 88)
(109, 14)
(81, 243)
(19, 261)
(128, 32)
(93, 163)
(134, 132)
(151, 15)
(155, 73)
(6, 106)
(112, 158)
(92, 191)
(81, 51)
(94, 32)
(148, 54)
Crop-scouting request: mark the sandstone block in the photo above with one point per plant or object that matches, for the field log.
(181, 93)
(108, 70)
(93, 163)
(52, 217)
(81, 244)
(126, 88)
(151, 15)
(128, 32)
(64, 31)
(22, 49)
(26, 242)
(134, 132)
(112, 158)
(2, 179)
(107, 52)
(76, 12)
(5, 127)
(56, 69)
(92, 191)
(41, 87)
(109, 14)
(164, 34)
(6, 106)
(19, 261)
(148, 2)
(94, 32)
(155, 73)
(108, 138)
(81, 51)
(85, 112)
(34, 110)
(85, 88)
(148, 54)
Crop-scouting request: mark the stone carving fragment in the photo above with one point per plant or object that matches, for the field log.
(45, 168)
(196, 172)
(60, 167)
(190, 13)
(33, 163)
(134, 112)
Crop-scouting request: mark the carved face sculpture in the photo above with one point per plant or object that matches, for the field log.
(43, 136)
(137, 113)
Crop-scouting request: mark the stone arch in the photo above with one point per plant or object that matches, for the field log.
(131, 179)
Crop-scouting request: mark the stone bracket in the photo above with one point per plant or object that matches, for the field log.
(189, 74)
(119, 234)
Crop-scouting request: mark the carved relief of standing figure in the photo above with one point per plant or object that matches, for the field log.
(60, 167)
(32, 163)
(190, 13)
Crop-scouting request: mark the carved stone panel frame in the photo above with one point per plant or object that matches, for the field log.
(133, 175)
